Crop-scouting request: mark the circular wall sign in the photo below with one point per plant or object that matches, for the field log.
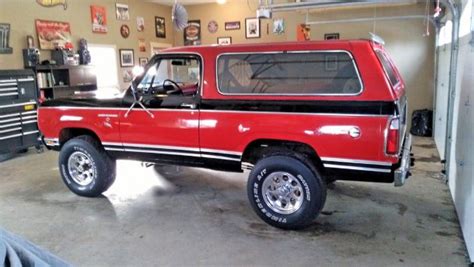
(124, 31)
(212, 26)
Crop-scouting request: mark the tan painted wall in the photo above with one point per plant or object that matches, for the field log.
(21, 14)
(412, 52)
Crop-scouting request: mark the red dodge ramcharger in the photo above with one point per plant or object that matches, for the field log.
(298, 115)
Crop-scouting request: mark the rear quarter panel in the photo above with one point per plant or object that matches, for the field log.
(103, 122)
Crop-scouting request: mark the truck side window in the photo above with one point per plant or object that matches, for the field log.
(299, 73)
(388, 68)
(171, 76)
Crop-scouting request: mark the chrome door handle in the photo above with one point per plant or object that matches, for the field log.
(186, 105)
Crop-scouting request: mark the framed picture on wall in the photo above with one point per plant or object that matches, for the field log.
(160, 27)
(140, 24)
(141, 45)
(155, 48)
(143, 61)
(127, 58)
(127, 75)
(278, 26)
(5, 39)
(252, 28)
(331, 36)
(122, 11)
(224, 40)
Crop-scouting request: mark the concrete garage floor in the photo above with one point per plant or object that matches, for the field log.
(186, 216)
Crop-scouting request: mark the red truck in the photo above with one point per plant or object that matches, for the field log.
(298, 115)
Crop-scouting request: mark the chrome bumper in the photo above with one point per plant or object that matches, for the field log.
(402, 173)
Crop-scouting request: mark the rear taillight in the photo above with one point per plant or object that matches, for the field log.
(393, 136)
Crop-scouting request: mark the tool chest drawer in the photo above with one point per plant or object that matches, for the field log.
(17, 85)
(18, 126)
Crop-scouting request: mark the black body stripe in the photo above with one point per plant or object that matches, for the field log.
(221, 155)
(162, 150)
(362, 165)
(177, 151)
(287, 106)
(340, 107)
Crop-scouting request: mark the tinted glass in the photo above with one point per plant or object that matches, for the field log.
(388, 68)
(288, 73)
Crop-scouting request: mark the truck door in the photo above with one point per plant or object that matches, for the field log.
(162, 123)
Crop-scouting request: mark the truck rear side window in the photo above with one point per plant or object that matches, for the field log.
(387, 66)
(304, 73)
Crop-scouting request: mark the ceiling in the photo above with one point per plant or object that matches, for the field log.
(183, 2)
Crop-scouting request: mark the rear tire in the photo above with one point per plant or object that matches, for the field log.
(85, 167)
(286, 191)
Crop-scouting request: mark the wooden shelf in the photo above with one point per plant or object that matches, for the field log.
(75, 79)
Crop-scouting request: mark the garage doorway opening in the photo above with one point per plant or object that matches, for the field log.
(104, 59)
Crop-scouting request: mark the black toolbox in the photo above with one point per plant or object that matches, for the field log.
(18, 111)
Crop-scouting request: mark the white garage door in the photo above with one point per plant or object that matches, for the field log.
(442, 85)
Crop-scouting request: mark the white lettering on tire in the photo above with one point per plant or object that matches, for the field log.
(306, 187)
(65, 175)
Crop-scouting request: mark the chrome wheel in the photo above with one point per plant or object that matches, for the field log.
(81, 168)
(282, 192)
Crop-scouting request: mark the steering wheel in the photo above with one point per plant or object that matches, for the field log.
(175, 85)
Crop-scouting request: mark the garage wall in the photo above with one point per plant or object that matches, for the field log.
(21, 14)
(411, 50)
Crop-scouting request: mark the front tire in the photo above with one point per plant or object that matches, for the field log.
(286, 191)
(85, 167)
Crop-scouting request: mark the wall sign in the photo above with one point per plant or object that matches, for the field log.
(99, 19)
(303, 32)
(331, 36)
(124, 31)
(192, 33)
(52, 3)
(52, 34)
(224, 40)
(232, 25)
(5, 39)
(212, 26)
